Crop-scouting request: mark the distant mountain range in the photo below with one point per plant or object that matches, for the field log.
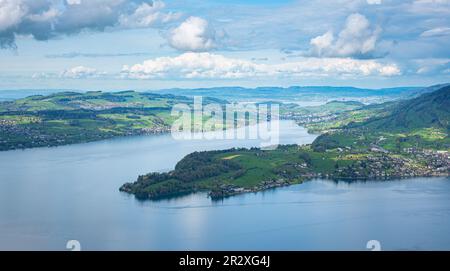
(296, 94)
(292, 93)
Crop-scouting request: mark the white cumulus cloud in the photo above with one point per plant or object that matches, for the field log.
(214, 66)
(11, 13)
(357, 38)
(323, 43)
(194, 35)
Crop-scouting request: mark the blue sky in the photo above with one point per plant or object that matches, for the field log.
(141, 44)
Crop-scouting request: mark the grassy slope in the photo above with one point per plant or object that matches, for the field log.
(328, 108)
(70, 117)
(422, 122)
(255, 169)
(248, 169)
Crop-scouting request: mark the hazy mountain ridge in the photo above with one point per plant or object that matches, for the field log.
(296, 92)
(259, 93)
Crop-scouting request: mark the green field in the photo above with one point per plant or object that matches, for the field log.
(71, 117)
(422, 122)
(229, 172)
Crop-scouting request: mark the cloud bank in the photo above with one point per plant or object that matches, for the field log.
(215, 66)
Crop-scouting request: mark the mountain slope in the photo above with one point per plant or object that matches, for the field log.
(426, 111)
(421, 122)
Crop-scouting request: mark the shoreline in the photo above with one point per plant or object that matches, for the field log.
(87, 141)
(164, 131)
(235, 171)
(218, 195)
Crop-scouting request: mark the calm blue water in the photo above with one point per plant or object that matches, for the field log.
(51, 195)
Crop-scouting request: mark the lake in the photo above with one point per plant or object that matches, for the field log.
(51, 195)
